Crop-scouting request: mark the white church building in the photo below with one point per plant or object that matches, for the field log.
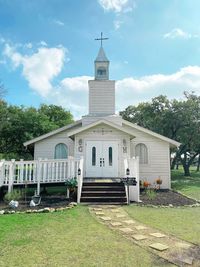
(105, 141)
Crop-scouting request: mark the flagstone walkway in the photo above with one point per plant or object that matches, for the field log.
(168, 247)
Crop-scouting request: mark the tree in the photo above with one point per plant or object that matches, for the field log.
(19, 124)
(179, 120)
(56, 114)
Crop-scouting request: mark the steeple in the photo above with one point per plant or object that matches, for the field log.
(101, 89)
(101, 57)
(101, 62)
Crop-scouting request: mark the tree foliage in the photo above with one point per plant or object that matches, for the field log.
(19, 124)
(176, 119)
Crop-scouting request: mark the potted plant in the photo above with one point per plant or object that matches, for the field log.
(159, 182)
(72, 187)
(146, 184)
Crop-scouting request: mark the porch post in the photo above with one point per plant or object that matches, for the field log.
(11, 176)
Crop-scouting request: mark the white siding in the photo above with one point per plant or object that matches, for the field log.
(101, 97)
(86, 120)
(158, 150)
(158, 158)
(45, 148)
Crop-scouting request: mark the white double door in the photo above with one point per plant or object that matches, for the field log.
(102, 159)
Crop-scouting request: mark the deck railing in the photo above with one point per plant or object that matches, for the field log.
(37, 171)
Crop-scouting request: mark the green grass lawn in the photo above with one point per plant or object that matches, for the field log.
(189, 186)
(181, 222)
(70, 238)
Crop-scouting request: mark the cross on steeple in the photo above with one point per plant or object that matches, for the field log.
(101, 38)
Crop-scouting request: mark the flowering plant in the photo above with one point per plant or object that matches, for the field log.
(146, 184)
(159, 181)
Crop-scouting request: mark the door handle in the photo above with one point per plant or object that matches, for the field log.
(102, 162)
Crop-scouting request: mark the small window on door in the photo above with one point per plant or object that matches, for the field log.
(94, 156)
(110, 156)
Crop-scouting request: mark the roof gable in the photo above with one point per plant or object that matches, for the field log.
(59, 130)
(159, 136)
(103, 121)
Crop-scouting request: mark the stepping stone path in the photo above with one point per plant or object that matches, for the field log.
(120, 216)
(115, 210)
(116, 223)
(129, 222)
(159, 246)
(97, 209)
(171, 248)
(99, 213)
(140, 227)
(139, 237)
(105, 219)
(126, 230)
(159, 235)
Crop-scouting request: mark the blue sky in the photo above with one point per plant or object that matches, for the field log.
(47, 49)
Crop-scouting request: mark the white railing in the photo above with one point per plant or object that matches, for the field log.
(133, 165)
(37, 171)
(80, 180)
(125, 168)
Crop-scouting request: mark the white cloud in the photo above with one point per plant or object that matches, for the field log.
(43, 43)
(117, 5)
(72, 93)
(28, 45)
(2, 40)
(58, 22)
(132, 91)
(179, 33)
(40, 68)
(117, 24)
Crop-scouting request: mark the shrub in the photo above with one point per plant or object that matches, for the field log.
(151, 194)
(14, 195)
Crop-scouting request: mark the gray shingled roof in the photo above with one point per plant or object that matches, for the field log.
(101, 55)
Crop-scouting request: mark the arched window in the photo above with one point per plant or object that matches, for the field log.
(141, 151)
(94, 156)
(61, 151)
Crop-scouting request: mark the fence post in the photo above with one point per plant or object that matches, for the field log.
(11, 175)
(39, 171)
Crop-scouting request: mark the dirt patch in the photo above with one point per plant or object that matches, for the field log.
(166, 198)
(46, 201)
